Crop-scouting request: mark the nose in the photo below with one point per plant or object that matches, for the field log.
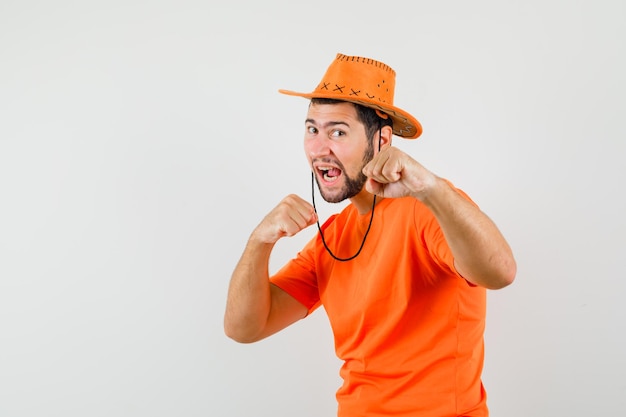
(317, 147)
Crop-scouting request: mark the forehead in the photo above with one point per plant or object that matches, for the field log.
(335, 111)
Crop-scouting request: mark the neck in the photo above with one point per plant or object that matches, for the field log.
(363, 201)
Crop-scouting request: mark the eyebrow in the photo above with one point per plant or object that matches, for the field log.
(328, 124)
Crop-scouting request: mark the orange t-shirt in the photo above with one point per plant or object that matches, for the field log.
(408, 327)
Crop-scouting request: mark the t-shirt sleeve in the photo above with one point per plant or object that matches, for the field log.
(298, 277)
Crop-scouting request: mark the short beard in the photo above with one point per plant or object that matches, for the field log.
(353, 186)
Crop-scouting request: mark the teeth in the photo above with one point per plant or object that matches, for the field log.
(324, 171)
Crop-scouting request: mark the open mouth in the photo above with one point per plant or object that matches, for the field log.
(329, 173)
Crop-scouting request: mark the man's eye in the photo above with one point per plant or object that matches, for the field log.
(336, 133)
(311, 129)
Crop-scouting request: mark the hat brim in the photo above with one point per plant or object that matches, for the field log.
(404, 125)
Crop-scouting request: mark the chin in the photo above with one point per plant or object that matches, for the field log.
(333, 199)
(341, 190)
(337, 197)
(330, 197)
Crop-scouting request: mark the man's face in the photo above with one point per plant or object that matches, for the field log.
(337, 148)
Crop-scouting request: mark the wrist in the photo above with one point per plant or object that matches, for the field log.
(429, 189)
(258, 238)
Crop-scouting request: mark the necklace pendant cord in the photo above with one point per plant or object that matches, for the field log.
(319, 228)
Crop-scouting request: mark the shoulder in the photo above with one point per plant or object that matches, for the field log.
(329, 222)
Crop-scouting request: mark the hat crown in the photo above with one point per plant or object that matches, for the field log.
(358, 78)
(366, 82)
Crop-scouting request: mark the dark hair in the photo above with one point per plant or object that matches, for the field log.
(366, 115)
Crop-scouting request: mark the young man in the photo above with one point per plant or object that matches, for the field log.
(402, 271)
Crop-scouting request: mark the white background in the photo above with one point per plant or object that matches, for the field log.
(141, 141)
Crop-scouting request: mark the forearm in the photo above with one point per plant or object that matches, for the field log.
(255, 308)
(249, 296)
(481, 253)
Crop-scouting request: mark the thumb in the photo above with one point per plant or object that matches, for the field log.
(374, 187)
(313, 218)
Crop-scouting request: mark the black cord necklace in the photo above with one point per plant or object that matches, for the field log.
(319, 228)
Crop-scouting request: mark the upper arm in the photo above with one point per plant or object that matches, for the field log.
(284, 311)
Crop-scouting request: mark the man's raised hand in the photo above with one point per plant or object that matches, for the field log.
(392, 174)
(289, 217)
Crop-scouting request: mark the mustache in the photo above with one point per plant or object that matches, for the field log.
(329, 161)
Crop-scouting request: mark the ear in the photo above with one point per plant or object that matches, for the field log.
(386, 134)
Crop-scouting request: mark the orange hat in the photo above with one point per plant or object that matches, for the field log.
(366, 82)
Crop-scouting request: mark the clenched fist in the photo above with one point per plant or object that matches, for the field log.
(289, 217)
(392, 174)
